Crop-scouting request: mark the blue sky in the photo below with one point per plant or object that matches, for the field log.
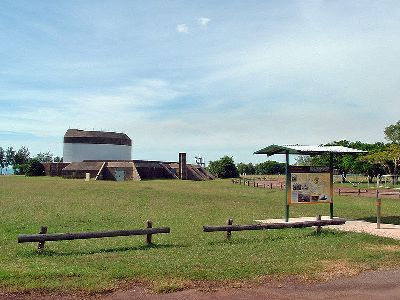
(210, 77)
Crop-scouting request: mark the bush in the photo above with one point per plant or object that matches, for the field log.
(20, 169)
(35, 168)
(224, 168)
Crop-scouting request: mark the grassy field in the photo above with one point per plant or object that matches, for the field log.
(184, 256)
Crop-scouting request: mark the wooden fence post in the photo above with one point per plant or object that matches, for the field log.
(339, 192)
(148, 236)
(228, 233)
(318, 228)
(359, 192)
(281, 186)
(271, 185)
(378, 213)
(43, 230)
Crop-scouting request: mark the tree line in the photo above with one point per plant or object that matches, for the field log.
(225, 167)
(22, 162)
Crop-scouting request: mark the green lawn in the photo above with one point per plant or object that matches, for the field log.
(186, 254)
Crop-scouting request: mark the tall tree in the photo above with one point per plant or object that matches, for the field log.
(246, 168)
(392, 133)
(22, 156)
(44, 157)
(2, 160)
(223, 168)
(10, 155)
(270, 167)
(58, 159)
(389, 158)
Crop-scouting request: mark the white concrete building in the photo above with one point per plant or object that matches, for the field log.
(80, 145)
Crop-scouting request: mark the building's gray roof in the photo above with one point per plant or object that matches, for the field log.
(96, 137)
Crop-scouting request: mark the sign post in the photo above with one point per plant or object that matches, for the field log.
(287, 187)
(331, 184)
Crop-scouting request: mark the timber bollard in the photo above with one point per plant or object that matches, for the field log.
(228, 233)
(318, 228)
(378, 213)
(149, 224)
(43, 230)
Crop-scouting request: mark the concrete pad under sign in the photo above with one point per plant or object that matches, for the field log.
(387, 230)
(292, 220)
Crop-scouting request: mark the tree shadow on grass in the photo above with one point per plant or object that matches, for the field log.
(386, 219)
(49, 252)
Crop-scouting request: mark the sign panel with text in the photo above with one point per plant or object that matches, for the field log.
(310, 185)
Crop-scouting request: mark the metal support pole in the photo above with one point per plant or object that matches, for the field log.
(331, 184)
(287, 187)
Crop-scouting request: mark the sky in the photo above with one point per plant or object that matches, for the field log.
(212, 78)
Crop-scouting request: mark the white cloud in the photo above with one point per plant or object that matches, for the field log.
(182, 28)
(203, 21)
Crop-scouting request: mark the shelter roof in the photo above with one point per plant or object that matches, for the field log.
(307, 150)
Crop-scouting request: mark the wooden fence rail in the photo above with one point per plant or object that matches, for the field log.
(229, 228)
(43, 236)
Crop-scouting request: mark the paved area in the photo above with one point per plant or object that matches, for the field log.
(386, 230)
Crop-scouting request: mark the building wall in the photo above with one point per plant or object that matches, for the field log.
(54, 169)
(109, 173)
(76, 152)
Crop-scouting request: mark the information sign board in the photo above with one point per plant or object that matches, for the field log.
(309, 185)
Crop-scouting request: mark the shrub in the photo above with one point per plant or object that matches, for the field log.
(34, 168)
(224, 168)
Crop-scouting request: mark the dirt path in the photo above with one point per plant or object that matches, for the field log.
(368, 285)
